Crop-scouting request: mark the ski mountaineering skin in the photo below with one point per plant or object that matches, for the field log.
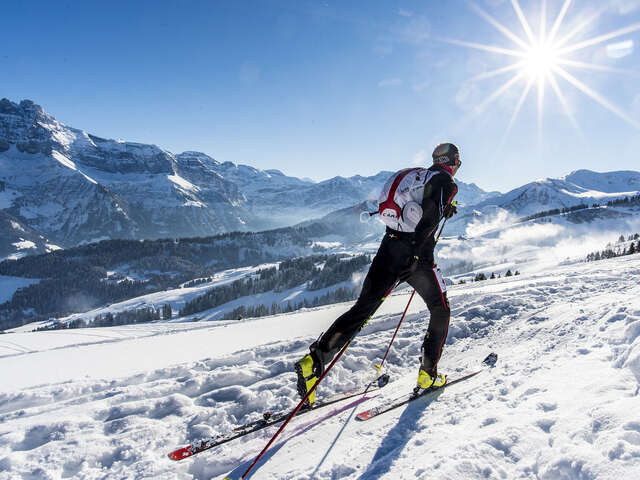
(411, 204)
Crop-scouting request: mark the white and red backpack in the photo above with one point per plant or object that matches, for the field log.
(399, 203)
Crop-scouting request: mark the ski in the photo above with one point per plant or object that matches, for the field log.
(268, 419)
(407, 398)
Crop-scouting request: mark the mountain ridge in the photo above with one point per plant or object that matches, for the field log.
(73, 187)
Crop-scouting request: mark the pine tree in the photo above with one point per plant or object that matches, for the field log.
(508, 274)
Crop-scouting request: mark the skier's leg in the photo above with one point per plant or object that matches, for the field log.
(392, 257)
(376, 284)
(428, 282)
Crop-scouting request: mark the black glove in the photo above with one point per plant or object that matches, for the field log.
(450, 210)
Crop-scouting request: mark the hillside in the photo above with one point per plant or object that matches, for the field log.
(164, 384)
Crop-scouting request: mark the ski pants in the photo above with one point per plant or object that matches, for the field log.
(394, 256)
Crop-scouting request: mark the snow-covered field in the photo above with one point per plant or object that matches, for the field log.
(562, 402)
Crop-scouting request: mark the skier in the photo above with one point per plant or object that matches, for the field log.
(412, 204)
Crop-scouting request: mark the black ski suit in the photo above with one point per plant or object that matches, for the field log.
(396, 259)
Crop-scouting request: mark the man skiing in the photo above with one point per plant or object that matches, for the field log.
(412, 204)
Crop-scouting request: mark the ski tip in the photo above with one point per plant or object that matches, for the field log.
(366, 415)
(491, 359)
(180, 454)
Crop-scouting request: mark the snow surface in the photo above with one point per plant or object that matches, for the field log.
(562, 402)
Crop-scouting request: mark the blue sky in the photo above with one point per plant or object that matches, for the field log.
(324, 88)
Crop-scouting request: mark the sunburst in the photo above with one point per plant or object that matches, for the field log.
(543, 56)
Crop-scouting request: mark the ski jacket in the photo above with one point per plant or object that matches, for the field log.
(438, 194)
(413, 202)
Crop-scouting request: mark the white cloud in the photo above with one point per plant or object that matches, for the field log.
(419, 158)
(480, 225)
(625, 7)
(416, 31)
(390, 82)
(405, 13)
(418, 87)
(620, 49)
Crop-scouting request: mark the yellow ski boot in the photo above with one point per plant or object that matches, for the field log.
(429, 380)
(306, 378)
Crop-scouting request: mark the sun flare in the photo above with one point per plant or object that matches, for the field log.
(539, 61)
(543, 57)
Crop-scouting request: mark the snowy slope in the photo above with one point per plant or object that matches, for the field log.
(582, 186)
(562, 401)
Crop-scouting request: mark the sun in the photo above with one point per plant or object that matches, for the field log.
(542, 58)
(539, 61)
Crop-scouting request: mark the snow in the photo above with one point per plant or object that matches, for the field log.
(181, 182)
(16, 226)
(562, 401)
(24, 245)
(63, 160)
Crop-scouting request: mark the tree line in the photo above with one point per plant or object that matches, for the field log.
(89, 276)
(317, 271)
(127, 317)
(340, 294)
(617, 250)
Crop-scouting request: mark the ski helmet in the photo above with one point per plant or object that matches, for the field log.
(447, 154)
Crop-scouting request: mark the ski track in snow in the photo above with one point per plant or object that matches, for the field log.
(562, 402)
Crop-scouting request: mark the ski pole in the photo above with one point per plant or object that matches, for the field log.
(443, 223)
(379, 367)
(302, 402)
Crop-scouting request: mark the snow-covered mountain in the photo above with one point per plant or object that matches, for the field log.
(18, 240)
(579, 187)
(582, 187)
(73, 187)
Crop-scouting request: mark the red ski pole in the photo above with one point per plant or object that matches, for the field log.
(302, 402)
(379, 367)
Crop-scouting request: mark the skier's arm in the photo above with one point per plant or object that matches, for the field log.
(436, 198)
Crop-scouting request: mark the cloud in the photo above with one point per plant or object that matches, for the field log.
(419, 158)
(420, 86)
(494, 241)
(625, 7)
(480, 225)
(390, 82)
(416, 31)
(620, 49)
(405, 13)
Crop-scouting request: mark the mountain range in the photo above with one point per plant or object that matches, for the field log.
(61, 187)
(71, 187)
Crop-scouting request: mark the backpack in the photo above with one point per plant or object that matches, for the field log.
(400, 199)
